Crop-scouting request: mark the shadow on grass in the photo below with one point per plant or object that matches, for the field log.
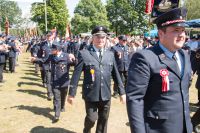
(42, 129)
(29, 70)
(30, 78)
(29, 83)
(34, 92)
(33, 74)
(37, 110)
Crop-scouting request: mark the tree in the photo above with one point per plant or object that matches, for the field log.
(193, 9)
(88, 14)
(127, 16)
(11, 10)
(57, 15)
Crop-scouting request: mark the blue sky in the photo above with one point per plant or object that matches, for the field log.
(25, 5)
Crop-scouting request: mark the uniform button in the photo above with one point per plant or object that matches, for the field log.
(101, 84)
(101, 71)
(157, 117)
(184, 101)
(102, 78)
(185, 111)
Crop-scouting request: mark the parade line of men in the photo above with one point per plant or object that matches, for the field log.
(154, 83)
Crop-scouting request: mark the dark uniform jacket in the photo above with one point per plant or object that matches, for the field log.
(2, 57)
(97, 88)
(12, 50)
(59, 69)
(123, 61)
(44, 52)
(149, 109)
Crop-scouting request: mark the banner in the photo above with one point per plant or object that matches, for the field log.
(161, 6)
(149, 6)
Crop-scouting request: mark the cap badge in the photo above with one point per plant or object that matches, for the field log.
(100, 28)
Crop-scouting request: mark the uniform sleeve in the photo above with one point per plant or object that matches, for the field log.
(117, 79)
(46, 53)
(137, 84)
(76, 76)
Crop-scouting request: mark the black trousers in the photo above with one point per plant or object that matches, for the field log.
(59, 99)
(12, 61)
(46, 79)
(1, 71)
(97, 111)
(5, 64)
(124, 76)
(43, 75)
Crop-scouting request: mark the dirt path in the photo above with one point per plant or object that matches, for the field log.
(25, 109)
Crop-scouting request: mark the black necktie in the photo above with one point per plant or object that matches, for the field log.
(174, 57)
(100, 54)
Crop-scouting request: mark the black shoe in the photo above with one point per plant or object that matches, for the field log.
(115, 95)
(49, 98)
(62, 110)
(56, 119)
(3, 81)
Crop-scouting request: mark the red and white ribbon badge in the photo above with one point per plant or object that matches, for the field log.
(165, 80)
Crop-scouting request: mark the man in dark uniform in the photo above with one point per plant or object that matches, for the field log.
(158, 80)
(73, 48)
(60, 62)
(121, 52)
(12, 54)
(3, 48)
(98, 65)
(44, 53)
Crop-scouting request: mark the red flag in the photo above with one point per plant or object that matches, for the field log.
(149, 6)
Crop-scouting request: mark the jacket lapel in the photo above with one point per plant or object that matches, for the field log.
(170, 63)
(93, 53)
(105, 55)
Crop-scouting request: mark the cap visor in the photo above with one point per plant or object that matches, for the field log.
(100, 34)
(180, 25)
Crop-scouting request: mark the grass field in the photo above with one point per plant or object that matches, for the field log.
(25, 109)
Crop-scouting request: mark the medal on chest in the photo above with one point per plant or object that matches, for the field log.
(92, 74)
(62, 67)
(165, 79)
(43, 53)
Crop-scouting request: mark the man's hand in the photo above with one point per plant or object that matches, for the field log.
(32, 59)
(70, 100)
(119, 55)
(123, 98)
(71, 57)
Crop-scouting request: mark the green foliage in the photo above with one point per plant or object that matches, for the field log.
(87, 15)
(193, 7)
(11, 10)
(127, 16)
(57, 15)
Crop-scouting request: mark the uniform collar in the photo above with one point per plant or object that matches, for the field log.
(168, 53)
